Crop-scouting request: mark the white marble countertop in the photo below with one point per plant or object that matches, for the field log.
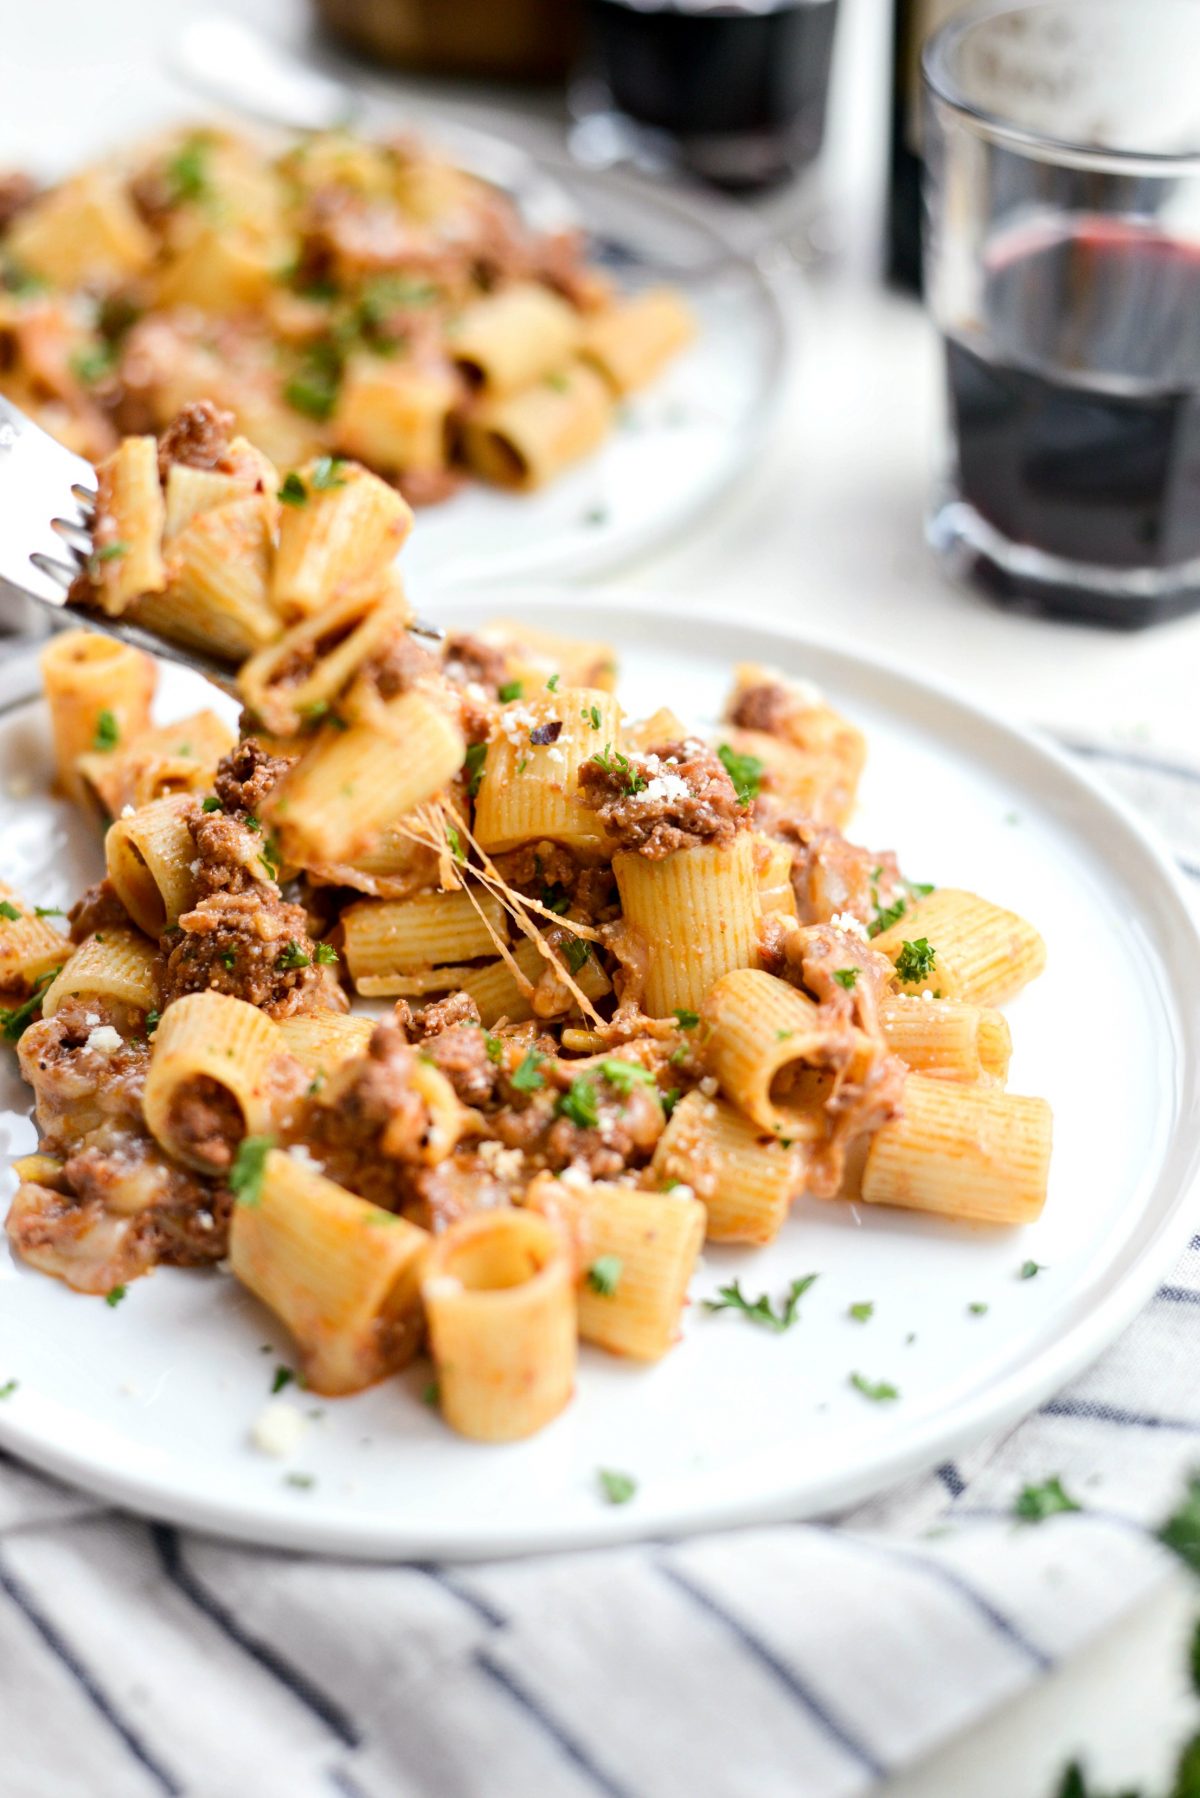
(824, 531)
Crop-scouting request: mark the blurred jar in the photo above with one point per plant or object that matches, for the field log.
(733, 91)
(520, 40)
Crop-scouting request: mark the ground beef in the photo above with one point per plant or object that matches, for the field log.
(468, 661)
(766, 707)
(98, 909)
(17, 191)
(628, 1125)
(246, 775)
(197, 437)
(461, 1055)
(683, 797)
(251, 946)
(551, 875)
(368, 1124)
(229, 856)
(79, 1088)
(397, 665)
(831, 875)
(208, 1122)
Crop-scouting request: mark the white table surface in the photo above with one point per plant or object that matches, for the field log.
(825, 531)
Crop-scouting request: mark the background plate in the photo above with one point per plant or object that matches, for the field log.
(151, 1404)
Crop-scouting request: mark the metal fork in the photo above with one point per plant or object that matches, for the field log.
(47, 509)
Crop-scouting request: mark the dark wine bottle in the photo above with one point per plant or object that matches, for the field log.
(913, 22)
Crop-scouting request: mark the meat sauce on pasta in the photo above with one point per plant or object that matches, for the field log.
(637, 987)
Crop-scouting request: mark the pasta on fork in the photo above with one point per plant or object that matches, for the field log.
(638, 989)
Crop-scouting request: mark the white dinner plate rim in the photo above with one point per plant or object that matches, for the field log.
(1130, 1278)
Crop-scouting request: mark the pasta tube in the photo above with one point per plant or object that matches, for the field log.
(29, 946)
(322, 1040)
(962, 1151)
(399, 937)
(118, 965)
(697, 911)
(982, 954)
(214, 1077)
(149, 859)
(745, 1180)
(395, 415)
(218, 596)
(534, 656)
(509, 339)
(530, 786)
(296, 680)
(341, 1274)
(172, 758)
(335, 800)
(768, 1047)
(129, 509)
(946, 1040)
(635, 1253)
(499, 994)
(630, 342)
(99, 693)
(499, 1296)
(87, 230)
(345, 534)
(524, 439)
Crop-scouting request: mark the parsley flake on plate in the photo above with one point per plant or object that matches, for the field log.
(1035, 1503)
(760, 1310)
(880, 1392)
(114, 1295)
(1031, 1269)
(862, 1312)
(618, 1488)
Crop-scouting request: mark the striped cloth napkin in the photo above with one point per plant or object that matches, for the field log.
(808, 1659)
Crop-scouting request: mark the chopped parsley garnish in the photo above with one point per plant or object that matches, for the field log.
(556, 899)
(493, 1047)
(455, 842)
(526, 1079)
(293, 957)
(8, 1388)
(283, 1377)
(49, 911)
(977, 1308)
(476, 756)
(784, 1036)
(625, 1075)
(153, 1020)
(863, 1312)
(604, 1275)
(618, 1488)
(552, 683)
(745, 771)
(303, 1482)
(229, 959)
(670, 1100)
(326, 955)
(579, 1103)
(327, 474)
(878, 1391)
(254, 823)
(759, 1310)
(611, 760)
(919, 889)
(211, 804)
(313, 389)
(916, 961)
(186, 173)
(249, 1167)
(557, 380)
(8, 910)
(596, 515)
(885, 916)
(1030, 1269)
(113, 1296)
(108, 731)
(1181, 1532)
(1035, 1503)
(512, 689)
(592, 717)
(16, 1021)
(431, 1395)
(846, 977)
(293, 491)
(93, 364)
(575, 952)
(687, 1020)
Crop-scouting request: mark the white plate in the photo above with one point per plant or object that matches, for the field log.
(150, 1404)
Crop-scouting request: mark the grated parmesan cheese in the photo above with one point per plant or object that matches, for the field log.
(666, 787)
(300, 1154)
(708, 1086)
(105, 1040)
(844, 920)
(443, 1286)
(278, 1429)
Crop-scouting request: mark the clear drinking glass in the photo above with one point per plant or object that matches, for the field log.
(1063, 272)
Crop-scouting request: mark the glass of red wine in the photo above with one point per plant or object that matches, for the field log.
(1063, 272)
